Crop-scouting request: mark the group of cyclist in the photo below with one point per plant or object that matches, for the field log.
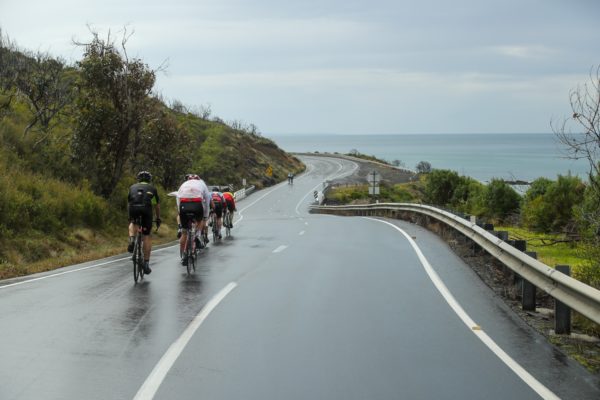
(195, 202)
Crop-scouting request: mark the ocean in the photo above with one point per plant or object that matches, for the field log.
(480, 156)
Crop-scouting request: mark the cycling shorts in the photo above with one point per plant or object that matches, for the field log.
(230, 205)
(218, 209)
(146, 213)
(190, 211)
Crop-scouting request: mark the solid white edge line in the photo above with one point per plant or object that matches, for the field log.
(76, 270)
(533, 383)
(158, 374)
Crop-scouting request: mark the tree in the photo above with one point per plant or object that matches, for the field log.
(499, 200)
(584, 143)
(440, 186)
(165, 148)
(112, 106)
(423, 167)
(398, 163)
(47, 87)
(580, 135)
(549, 205)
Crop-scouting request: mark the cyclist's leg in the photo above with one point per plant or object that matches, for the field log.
(132, 230)
(182, 221)
(219, 219)
(147, 232)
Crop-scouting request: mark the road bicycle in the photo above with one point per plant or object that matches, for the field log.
(138, 250)
(191, 250)
(213, 224)
(227, 223)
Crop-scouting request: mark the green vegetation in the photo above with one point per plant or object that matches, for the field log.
(357, 154)
(550, 216)
(399, 193)
(72, 139)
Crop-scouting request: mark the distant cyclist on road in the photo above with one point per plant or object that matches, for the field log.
(193, 197)
(142, 197)
(291, 178)
(230, 202)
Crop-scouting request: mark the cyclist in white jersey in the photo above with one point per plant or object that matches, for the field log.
(193, 197)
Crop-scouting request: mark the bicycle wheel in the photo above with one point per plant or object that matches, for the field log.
(141, 256)
(138, 259)
(214, 228)
(227, 223)
(189, 251)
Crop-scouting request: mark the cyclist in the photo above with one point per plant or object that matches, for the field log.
(230, 202)
(218, 207)
(291, 178)
(193, 197)
(142, 196)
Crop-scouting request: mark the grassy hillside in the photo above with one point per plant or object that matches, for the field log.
(52, 211)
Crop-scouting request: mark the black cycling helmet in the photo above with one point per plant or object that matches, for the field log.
(144, 176)
(215, 189)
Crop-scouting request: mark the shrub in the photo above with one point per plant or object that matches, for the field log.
(550, 205)
(440, 186)
(499, 201)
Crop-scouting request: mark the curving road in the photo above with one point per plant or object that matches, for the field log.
(293, 306)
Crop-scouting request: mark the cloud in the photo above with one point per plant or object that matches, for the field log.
(524, 51)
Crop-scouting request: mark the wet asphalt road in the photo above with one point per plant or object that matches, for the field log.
(316, 307)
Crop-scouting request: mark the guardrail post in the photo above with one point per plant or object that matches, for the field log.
(502, 235)
(528, 290)
(562, 313)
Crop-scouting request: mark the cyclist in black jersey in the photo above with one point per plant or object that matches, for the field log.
(142, 197)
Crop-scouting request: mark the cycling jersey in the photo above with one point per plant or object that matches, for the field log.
(142, 196)
(229, 199)
(194, 190)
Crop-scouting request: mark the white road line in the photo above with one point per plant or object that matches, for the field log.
(533, 383)
(280, 249)
(329, 177)
(301, 233)
(77, 270)
(158, 374)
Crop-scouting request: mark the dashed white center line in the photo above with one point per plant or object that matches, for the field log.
(280, 249)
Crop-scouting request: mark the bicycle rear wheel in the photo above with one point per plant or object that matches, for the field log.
(189, 252)
(138, 259)
(227, 223)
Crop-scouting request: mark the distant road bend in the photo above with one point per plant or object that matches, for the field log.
(293, 306)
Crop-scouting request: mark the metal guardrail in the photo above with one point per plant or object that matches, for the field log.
(242, 193)
(580, 297)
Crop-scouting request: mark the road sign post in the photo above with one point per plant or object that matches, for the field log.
(373, 178)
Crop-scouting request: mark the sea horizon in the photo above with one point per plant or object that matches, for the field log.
(483, 156)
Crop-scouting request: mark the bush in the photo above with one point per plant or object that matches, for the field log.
(549, 206)
(499, 201)
(440, 186)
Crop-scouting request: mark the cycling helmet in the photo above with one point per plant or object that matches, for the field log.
(191, 176)
(215, 189)
(144, 176)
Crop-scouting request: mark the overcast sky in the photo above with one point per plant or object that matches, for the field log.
(343, 66)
